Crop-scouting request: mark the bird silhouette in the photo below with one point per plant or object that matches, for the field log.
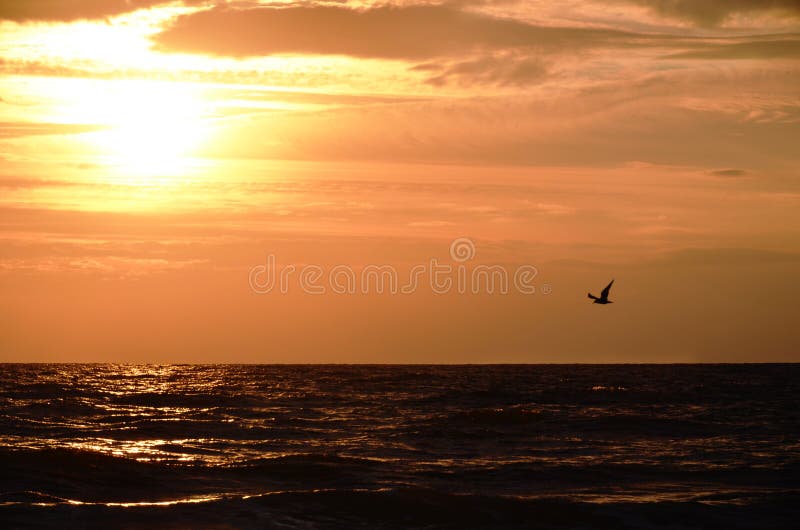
(603, 295)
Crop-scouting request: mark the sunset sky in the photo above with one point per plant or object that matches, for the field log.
(152, 153)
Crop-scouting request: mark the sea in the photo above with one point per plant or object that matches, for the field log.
(383, 447)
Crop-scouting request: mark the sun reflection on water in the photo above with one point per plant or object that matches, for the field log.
(185, 434)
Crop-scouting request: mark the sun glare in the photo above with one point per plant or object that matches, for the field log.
(154, 129)
(150, 129)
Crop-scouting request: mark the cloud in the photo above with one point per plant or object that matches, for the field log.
(554, 209)
(501, 70)
(727, 256)
(413, 32)
(18, 129)
(715, 12)
(71, 10)
(728, 173)
(754, 49)
(119, 266)
(711, 119)
(15, 183)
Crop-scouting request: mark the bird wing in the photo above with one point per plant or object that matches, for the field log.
(604, 294)
(593, 297)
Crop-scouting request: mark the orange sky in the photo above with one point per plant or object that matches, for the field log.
(152, 153)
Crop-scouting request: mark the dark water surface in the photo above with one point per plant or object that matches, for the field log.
(535, 446)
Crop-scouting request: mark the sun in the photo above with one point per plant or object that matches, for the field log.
(152, 129)
(147, 130)
(146, 123)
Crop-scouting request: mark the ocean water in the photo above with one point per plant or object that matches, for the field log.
(306, 447)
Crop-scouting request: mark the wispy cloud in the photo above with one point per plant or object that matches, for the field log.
(18, 129)
(715, 12)
(728, 173)
(504, 69)
(780, 48)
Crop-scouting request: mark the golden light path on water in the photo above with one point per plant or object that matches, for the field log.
(164, 441)
(633, 498)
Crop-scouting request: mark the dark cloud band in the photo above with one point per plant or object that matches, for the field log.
(715, 12)
(72, 10)
(415, 32)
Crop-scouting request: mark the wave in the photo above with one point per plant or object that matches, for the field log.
(394, 508)
(386, 447)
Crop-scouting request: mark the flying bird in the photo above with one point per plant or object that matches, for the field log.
(603, 295)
